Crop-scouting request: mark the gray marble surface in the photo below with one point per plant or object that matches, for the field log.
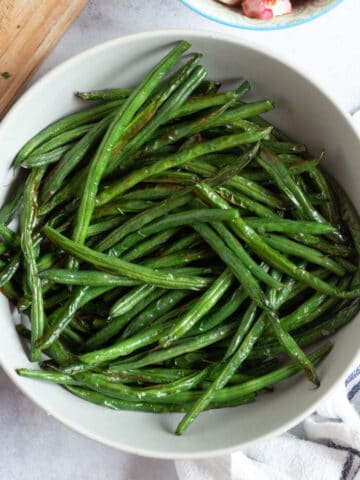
(34, 446)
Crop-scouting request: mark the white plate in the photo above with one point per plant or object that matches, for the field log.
(233, 17)
(305, 112)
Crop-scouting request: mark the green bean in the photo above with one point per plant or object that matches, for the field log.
(211, 99)
(104, 226)
(178, 259)
(195, 104)
(218, 160)
(232, 169)
(9, 210)
(111, 386)
(44, 159)
(245, 258)
(175, 201)
(59, 320)
(238, 351)
(207, 86)
(244, 326)
(330, 248)
(256, 192)
(126, 155)
(321, 330)
(116, 404)
(183, 346)
(243, 375)
(91, 278)
(135, 223)
(155, 312)
(348, 213)
(262, 225)
(190, 240)
(347, 265)
(291, 189)
(177, 159)
(153, 375)
(73, 157)
(283, 147)
(64, 124)
(302, 166)
(174, 177)
(280, 135)
(94, 278)
(329, 326)
(72, 337)
(204, 304)
(108, 94)
(119, 266)
(4, 248)
(7, 288)
(290, 247)
(131, 298)
(221, 313)
(190, 217)
(198, 359)
(242, 201)
(121, 207)
(62, 139)
(294, 351)
(166, 375)
(55, 377)
(237, 391)
(215, 118)
(244, 276)
(114, 135)
(264, 381)
(310, 310)
(148, 246)
(24, 332)
(81, 325)
(117, 323)
(272, 377)
(271, 256)
(33, 282)
(11, 293)
(9, 271)
(56, 299)
(179, 88)
(227, 372)
(9, 236)
(330, 208)
(242, 184)
(158, 192)
(125, 346)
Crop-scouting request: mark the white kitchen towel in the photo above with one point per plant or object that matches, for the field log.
(326, 446)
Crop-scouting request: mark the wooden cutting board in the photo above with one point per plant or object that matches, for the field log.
(29, 30)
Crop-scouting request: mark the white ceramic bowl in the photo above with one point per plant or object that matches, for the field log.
(305, 112)
(232, 16)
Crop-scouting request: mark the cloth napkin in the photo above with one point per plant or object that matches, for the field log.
(325, 446)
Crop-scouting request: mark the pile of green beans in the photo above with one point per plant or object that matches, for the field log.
(175, 252)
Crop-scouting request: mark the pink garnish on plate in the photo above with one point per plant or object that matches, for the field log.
(233, 3)
(262, 9)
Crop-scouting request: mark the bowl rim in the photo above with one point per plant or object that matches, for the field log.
(181, 33)
(262, 28)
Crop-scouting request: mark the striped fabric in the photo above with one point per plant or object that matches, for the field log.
(326, 446)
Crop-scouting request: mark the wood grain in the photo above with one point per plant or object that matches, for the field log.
(29, 30)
